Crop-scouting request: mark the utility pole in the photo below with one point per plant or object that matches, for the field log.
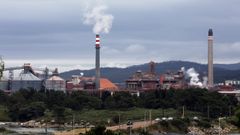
(230, 111)
(46, 128)
(145, 115)
(163, 112)
(183, 112)
(130, 130)
(150, 116)
(219, 127)
(208, 111)
(219, 124)
(73, 124)
(119, 121)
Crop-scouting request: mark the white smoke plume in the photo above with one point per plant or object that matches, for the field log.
(183, 70)
(193, 75)
(194, 80)
(102, 22)
(205, 81)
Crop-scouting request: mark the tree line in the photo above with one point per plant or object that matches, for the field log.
(25, 105)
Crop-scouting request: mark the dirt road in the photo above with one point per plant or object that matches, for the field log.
(136, 125)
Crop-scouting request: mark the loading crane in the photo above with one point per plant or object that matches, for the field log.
(28, 68)
(11, 71)
(46, 71)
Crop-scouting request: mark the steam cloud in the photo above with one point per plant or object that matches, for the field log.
(194, 77)
(102, 22)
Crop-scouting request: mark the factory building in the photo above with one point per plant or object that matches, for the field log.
(151, 81)
(3, 85)
(78, 83)
(143, 81)
(171, 80)
(55, 82)
(26, 80)
(225, 88)
(107, 85)
(31, 78)
(74, 84)
(233, 83)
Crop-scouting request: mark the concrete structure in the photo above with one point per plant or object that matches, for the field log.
(210, 59)
(97, 62)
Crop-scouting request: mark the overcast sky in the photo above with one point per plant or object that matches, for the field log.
(51, 32)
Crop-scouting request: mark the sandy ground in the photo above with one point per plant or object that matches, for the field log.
(72, 132)
(136, 125)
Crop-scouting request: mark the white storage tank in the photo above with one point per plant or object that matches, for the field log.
(55, 83)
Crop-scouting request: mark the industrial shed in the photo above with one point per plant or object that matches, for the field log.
(26, 80)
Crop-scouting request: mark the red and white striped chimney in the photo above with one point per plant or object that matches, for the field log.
(97, 41)
(97, 80)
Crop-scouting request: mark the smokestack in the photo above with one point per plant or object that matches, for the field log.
(152, 67)
(97, 62)
(210, 58)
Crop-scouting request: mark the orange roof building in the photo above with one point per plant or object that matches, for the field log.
(105, 84)
(88, 83)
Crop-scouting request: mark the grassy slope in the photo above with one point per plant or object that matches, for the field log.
(3, 114)
(135, 114)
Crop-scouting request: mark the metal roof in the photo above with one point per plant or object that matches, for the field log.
(27, 77)
(55, 78)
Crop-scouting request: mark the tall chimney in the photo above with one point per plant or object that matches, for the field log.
(97, 80)
(210, 58)
(152, 67)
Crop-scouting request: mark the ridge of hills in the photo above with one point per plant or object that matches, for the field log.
(222, 72)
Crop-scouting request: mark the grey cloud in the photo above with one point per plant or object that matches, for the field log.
(167, 30)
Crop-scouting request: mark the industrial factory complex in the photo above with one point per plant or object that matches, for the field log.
(49, 79)
(46, 79)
